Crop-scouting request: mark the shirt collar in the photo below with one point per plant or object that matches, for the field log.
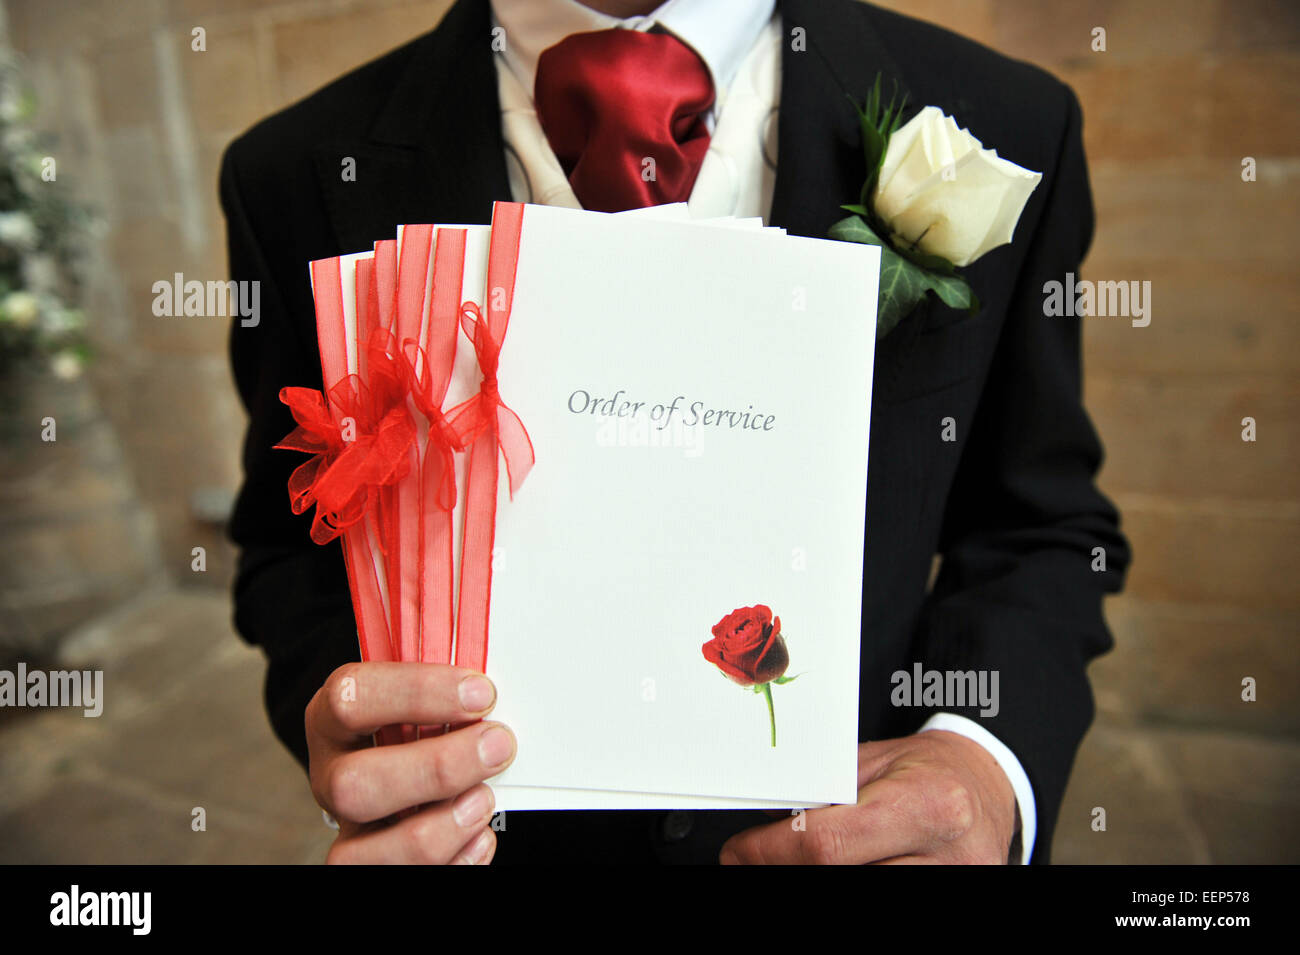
(720, 31)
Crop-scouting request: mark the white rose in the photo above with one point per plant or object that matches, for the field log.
(20, 308)
(942, 192)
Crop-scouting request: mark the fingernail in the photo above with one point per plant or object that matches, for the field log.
(472, 807)
(477, 853)
(495, 746)
(476, 693)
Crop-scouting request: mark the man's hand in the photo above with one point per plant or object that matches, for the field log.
(435, 783)
(935, 797)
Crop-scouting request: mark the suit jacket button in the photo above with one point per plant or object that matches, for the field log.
(676, 826)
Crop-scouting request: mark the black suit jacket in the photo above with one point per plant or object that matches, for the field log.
(1010, 505)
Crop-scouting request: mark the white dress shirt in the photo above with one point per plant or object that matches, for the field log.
(740, 43)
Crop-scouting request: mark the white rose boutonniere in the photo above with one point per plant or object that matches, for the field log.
(934, 199)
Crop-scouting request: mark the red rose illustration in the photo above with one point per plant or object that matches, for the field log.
(748, 648)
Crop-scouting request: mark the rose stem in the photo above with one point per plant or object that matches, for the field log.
(771, 713)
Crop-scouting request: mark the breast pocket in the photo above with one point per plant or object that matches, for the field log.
(931, 350)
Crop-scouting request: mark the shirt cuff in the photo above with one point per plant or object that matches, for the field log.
(1010, 765)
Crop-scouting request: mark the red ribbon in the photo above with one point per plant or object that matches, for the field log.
(361, 540)
(431, 370)
(488, 426)
(375, 285)
(364, 448)
(402, 538)
(365, 438)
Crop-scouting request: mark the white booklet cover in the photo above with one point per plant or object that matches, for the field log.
(699, 402)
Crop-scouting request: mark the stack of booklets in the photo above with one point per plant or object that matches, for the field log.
(618, 463)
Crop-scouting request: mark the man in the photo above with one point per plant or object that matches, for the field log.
(981, 450)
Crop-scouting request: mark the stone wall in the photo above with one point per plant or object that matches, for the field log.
(142, 119)
(1187, 770)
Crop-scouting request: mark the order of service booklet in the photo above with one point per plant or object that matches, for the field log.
(652, 436)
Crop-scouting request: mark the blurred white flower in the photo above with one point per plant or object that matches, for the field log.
(17, 230)
(20, 308)
(66, 365)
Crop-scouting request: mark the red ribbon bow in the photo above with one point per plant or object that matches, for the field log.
(444, 440)
(363, 448)
(473, 417)
(488, 428)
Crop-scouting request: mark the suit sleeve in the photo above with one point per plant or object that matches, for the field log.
(1025, 530)
(291, 596)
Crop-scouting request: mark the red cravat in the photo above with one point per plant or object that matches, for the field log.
(624, 113)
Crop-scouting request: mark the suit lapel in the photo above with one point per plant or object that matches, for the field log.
(434, 152)
(819, 158)
(819, 146)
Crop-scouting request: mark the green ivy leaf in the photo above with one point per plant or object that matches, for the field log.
(903, 283)
(955, 292)
(854, 229)
(931, 263)
(906, 272)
